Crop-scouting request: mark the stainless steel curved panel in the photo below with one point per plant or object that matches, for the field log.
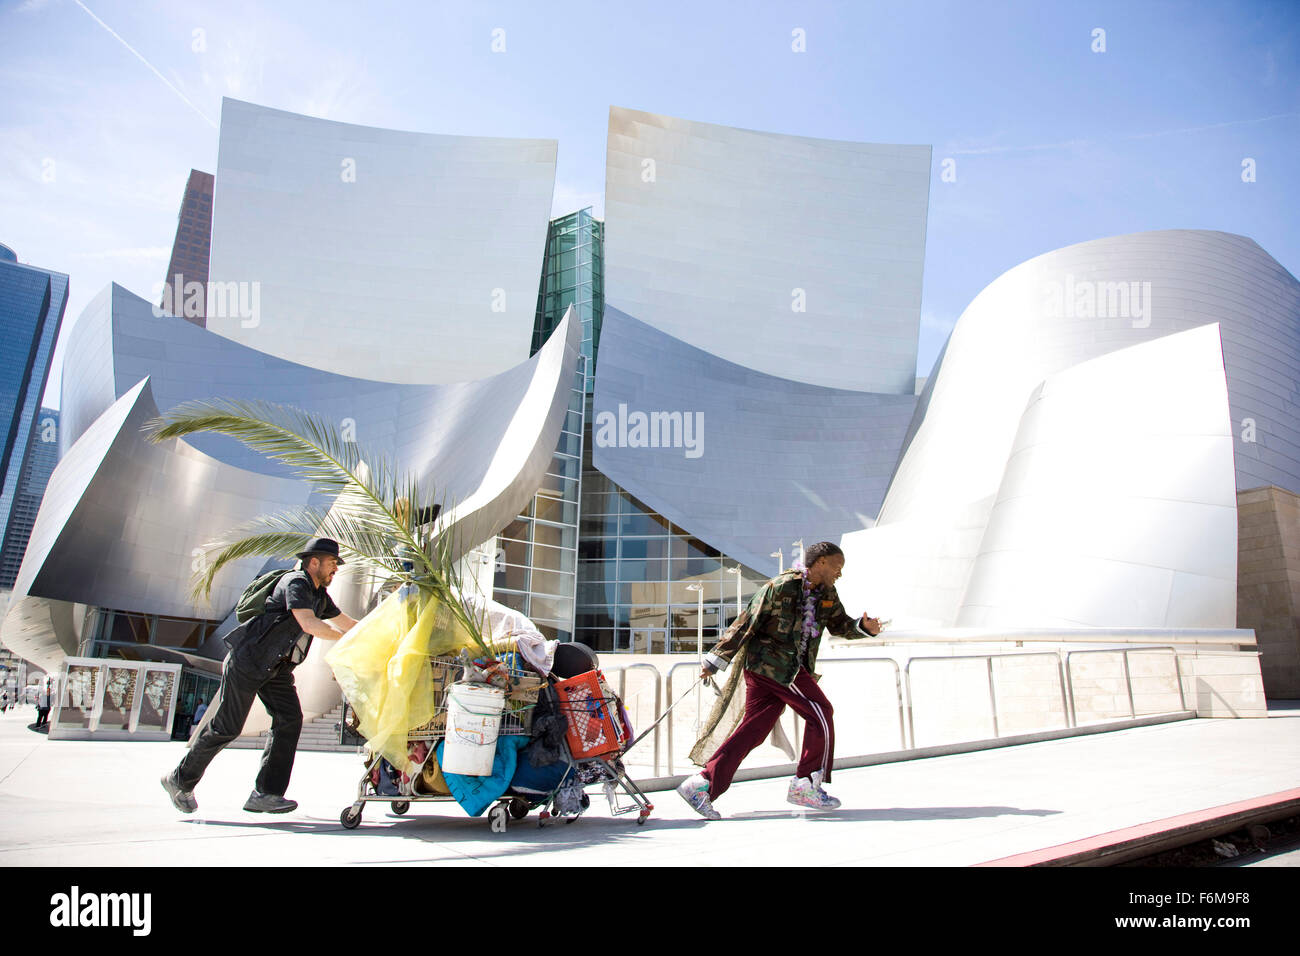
(1118, 503)
(1065, 307)
(142, 509)
(450, 435)
(119, 525)
(376, 253)
(775, 460)
(770, 251)
(1059, 318)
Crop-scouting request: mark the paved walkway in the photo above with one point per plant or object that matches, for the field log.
(66, 803)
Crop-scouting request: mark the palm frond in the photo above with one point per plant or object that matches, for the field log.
(314, 448)
(377, 516)
(285, 534)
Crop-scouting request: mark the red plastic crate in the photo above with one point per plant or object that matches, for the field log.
(595, 726)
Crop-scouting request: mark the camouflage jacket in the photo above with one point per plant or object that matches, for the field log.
(769, 629)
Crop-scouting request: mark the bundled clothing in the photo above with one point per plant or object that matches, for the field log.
(476, 794)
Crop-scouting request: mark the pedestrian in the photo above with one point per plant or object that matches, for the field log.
(265, 650)
(4, 701)
(777, 637)
(42, 704)
(199, 711)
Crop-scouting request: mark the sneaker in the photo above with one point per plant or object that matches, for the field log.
(804, 792)
(695, 791)
(182, 800)
(817, 782)
(268, 803)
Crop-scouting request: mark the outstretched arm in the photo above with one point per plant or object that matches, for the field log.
(330, 630)
(841, 625)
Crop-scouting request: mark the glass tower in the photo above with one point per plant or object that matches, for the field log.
(43, 456)
(573, 273)
(636, 571)
(536, 554)
(32, 302)
(634, 567)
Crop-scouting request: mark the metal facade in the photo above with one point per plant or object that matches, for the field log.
(362, 243)
(796, 257)
(774, 460)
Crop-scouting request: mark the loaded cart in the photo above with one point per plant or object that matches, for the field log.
(506, 739)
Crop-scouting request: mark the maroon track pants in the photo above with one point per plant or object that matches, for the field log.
(765, 700)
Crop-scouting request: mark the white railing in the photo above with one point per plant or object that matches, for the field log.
(993, 705)
(1062, 691)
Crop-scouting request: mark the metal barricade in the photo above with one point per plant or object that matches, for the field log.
(668, 695)
(664, 694)
(622, 670)
(828, 663)
(694, 666)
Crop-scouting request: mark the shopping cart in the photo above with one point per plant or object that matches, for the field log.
(597, 734)
(381, 783)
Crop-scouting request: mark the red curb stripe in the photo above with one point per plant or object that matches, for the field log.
(1131, 834)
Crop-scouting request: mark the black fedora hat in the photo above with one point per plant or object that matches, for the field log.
(320, 546)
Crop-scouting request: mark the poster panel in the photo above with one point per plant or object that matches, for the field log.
(77, 703)
(119, 695)
(156, 700)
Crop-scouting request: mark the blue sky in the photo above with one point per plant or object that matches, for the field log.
(105, 106)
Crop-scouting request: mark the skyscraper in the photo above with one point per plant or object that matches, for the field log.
(32, 301)
(42, 456)
(190, 253)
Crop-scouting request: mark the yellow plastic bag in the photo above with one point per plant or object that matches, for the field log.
(382, 667)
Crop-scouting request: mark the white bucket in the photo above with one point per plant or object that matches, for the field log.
(473, 723)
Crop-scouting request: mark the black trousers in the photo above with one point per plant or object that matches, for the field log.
(225, 720)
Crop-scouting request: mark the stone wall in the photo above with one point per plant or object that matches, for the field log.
(1268, 583)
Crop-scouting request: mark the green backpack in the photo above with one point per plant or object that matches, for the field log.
(253, 601)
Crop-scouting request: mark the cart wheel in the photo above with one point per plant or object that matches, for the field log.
(351, 817)
(400, 806)
(499, 818)
(543, 818)
(642, 817)
(519, 808)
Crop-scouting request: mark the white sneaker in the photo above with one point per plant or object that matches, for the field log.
(695, 791)
(817, 782)
(804, 792)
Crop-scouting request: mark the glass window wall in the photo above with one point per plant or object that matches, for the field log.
(634, 568)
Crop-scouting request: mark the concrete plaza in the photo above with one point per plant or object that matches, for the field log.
(96, 803)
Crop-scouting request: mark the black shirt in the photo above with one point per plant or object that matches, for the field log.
(275, 636)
